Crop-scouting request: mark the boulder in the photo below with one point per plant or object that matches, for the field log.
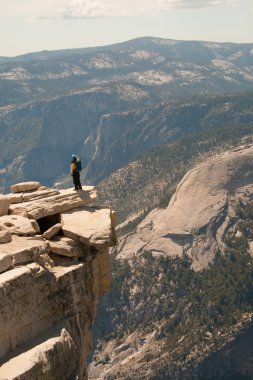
(66, 247)
(19, 225)
(39, 194)
(52, 231)
(21, 211)
(89, 225)
(24, 186)
(4, 204)
(15, 198)
(66, 200)
(5, 236)
(24, 250)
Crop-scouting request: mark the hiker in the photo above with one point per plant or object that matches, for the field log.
(75, 168)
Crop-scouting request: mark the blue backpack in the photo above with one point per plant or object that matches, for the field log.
(78, 165)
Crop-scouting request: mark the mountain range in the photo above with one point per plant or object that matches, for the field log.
(53, 104)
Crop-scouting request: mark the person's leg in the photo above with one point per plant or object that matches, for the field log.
(79, 182)
(75, 180)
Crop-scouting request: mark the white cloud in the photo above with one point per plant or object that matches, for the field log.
(74, 9)
(107, 8)
(194, 4)
(86, 9)
(23, 9)
(80, 9)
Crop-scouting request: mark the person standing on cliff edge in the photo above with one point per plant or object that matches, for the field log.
(75, 168)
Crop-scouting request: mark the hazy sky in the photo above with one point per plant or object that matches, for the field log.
(34, 25)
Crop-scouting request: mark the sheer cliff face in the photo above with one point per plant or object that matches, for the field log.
(122, 137)
(54, 265)
(201, 212)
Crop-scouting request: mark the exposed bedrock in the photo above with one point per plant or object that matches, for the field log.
(201, 212)
(52, 272)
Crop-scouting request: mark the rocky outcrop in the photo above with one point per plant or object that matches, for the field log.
(201, 212)
(37, 208)
(54, 265)
(25, 186)
(96, 219)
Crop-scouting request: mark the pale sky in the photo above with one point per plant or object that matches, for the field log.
(35, 25)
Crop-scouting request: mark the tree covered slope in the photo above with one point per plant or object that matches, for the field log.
(165, 317)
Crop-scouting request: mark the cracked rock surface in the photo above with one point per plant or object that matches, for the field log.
(50, 282)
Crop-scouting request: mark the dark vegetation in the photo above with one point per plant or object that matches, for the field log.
(189, 311)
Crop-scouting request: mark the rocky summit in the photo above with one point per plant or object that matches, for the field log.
(54, 265)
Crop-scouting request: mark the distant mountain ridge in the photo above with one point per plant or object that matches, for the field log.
(174, 65)
(61, 101)
(150, 43)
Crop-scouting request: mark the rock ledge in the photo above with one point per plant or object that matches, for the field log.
(54, 265)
